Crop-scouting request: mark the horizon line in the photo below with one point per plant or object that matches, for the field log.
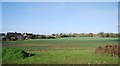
(58, 32)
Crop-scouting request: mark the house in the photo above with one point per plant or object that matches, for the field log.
(14, 36)
(28, 36)
(96, 35)
(2, 36)
(19, 36)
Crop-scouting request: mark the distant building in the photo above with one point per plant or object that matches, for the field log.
(14, 36)
(27, 35)
(2, 36)
(19, 36)
(96, 35)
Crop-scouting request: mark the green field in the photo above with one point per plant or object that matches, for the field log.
(77, 50)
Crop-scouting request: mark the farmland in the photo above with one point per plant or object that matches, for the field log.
(74, 50)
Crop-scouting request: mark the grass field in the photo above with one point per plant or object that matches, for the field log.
(77, 50)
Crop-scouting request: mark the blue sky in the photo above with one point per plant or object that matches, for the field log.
(0, 17)
(57, 17)
(60, 0)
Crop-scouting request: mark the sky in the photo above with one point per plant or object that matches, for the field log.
(0, 17)
(60, 17)
(60, 0)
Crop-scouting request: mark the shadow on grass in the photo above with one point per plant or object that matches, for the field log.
(27, 54)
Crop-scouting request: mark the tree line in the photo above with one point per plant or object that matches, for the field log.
(26, 36)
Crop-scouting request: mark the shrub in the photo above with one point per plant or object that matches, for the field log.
(109, 49)
(14, 53)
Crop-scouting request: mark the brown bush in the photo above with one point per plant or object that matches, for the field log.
(109, 49)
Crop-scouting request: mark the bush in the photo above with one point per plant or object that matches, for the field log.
(109, 49)
(13, 53)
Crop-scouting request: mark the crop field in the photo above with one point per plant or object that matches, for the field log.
(76, 50)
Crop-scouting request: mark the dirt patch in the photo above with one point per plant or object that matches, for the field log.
(52, 46)
(31, 45)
